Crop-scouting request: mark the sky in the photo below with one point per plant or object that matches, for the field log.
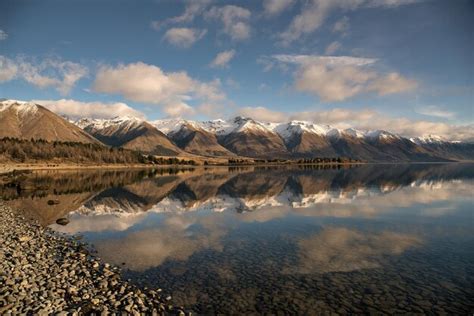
(402, 65)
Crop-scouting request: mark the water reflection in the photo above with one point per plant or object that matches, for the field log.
(343, 250)
(296, 240)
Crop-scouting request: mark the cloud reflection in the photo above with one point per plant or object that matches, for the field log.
(343, 250)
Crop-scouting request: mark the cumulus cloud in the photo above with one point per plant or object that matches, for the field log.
(50, 72)
(8, 69)
(333, 47)
(183, 36)
(436, 111)
(235, 20)
(3, 35)
(276, 7)
(223, 58)
(342, 25)
(146, 83)
(392, 83)
(263, 114)
(211, 110)
(178, 109)
(77, 109)
(314, 13)
(338, 78)
(366, 119)
(193, 9)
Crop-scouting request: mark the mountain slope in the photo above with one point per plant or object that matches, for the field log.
(26, 120)
(193, 138)
(130, 133)
(436, 145)
(252, 139)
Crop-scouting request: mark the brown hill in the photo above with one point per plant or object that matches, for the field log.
(199, 142)
(131, 133)
(25, 120)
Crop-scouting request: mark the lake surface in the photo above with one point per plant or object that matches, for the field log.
(301, 240)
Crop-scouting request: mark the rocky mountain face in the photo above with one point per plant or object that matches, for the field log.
(26, 120)
(239, 136)
(130, 133)
(300, 139)
(251, 139)
(193, 138)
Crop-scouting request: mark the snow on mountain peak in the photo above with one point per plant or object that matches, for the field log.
(287, 130)
(428, 139)
(168, 126)
(22, 108)
(380, 135)
(354, 133)
(124, 121)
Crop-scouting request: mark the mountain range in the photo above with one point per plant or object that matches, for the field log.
(240, 136)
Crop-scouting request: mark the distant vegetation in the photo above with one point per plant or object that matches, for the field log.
(37, 150)
(42, 151)
(334, 160)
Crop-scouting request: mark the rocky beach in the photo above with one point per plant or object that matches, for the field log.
(43, 272)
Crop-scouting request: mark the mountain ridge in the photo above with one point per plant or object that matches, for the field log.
(239, 136)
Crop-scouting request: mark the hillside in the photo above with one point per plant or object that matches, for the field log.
(130, 133)
(26, 120)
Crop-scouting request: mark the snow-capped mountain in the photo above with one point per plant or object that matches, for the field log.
(428, 139)
(247, 137)
(28, 120)
(127, 122)
(131, 133)
(241, 136)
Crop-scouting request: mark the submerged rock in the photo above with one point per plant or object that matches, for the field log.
(62, 221)
(54, 273)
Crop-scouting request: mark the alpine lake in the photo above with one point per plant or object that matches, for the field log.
(381, 238)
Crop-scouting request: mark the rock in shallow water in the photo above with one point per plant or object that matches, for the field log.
(62, 221)
(53, 273)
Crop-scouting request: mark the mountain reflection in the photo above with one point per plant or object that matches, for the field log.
(284, 236)
(363, 191)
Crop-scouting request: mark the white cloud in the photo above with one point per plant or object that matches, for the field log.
(341, 25)
(365, 119)
(276, 7)
(333, 47)
(178, 109)
(183, 36)
(145, 83)
(3, 35)
(50, 72)
(193, 9)
(235, 20)
(77, 109)
(314, 13)
(8, 69)
(392, 83)
(261, 113)
(338, 78)
(211, 110)
(436, 111)
(223, 58)
(329, 60)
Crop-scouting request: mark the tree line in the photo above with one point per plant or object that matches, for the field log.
(39, 150)
(318, 160)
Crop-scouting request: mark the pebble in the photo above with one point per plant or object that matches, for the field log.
(43, 272)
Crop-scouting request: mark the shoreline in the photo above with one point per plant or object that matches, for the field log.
(9, 167)
(45, 272)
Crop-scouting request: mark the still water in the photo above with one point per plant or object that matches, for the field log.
(371, 238)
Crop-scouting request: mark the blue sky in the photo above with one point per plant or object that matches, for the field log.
(401, 64)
